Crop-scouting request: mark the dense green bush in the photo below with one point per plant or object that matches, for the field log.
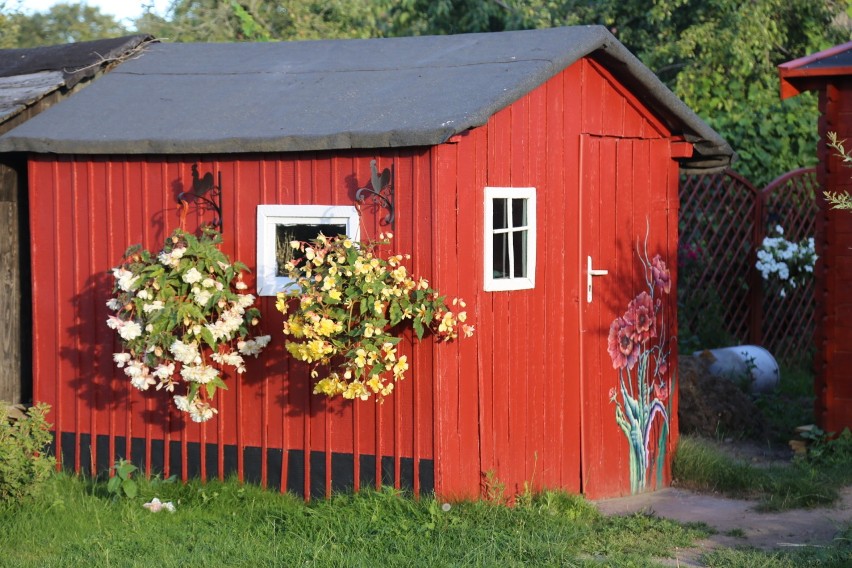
(24, 462)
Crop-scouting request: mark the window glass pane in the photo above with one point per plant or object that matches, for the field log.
(284, 253)
(519, 212)
(501, 256)
(519, 244)
(501, 213)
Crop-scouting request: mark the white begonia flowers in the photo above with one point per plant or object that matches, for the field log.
(181, 316)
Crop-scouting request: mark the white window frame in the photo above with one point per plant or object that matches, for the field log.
(268, 219)
(527, 282)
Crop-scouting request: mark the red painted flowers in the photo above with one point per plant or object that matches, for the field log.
(639, 323)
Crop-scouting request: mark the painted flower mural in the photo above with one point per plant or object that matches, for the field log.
(638, 347)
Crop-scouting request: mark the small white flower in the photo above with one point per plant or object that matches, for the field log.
(114, 304)
(164, 371)
(182, 403)
(200, 296)
(240, 285)
(120, 359)
(253, 346)
(192, 276)
(143, 294)
(201, 374)
(114, 322)
(185, 353)
(130, 330)
(124, 278)
(154, 306)
(233, 359)
(208, 283)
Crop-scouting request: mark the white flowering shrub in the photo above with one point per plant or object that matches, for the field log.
(182, 315)
(788, 264)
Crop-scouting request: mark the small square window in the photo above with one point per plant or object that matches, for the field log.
(509, 238)
(277, 225)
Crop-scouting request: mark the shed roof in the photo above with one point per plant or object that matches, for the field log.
(809, 72)
(29, 75)
(334, 94)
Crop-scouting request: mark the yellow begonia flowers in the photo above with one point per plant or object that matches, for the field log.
(350, 298)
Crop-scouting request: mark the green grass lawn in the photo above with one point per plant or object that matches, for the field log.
(74, 522)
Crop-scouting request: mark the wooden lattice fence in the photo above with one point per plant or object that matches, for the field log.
(722, 298)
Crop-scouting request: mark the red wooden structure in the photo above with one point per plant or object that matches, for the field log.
(829, 73)
(533, 398)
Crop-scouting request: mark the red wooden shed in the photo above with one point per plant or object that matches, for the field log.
(534, 174)
(829, 73)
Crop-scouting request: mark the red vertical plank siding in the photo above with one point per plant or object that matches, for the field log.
(422, 376)
(448, 404)
(520, 319)
(46, 385)
(470, 177)
(539, 446)
(834, 269)
(492, 404)
(569, 291)
(113, 203)
(494, 324)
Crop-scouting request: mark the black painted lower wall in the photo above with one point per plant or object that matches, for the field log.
(342, 464)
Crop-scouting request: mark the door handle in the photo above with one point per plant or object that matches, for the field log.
(590, 273)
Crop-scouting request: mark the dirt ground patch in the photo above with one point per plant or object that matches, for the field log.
(714, 407)
(736, 522)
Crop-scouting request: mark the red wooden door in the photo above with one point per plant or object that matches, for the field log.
(625, 341)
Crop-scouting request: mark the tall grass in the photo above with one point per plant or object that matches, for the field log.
(74, 522)
(698, 464)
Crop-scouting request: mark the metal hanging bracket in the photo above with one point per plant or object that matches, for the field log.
(201, 188)
(381, 190)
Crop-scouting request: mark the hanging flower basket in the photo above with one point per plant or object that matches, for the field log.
(346, 309)
(182, 316)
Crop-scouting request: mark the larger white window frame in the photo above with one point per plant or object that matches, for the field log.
(494, 283)
(269, 217)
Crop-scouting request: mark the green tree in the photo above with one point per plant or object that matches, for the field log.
(62, 23)
(9, 26)
(257, 20)
(719, 56)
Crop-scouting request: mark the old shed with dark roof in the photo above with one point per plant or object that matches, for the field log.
(32, 80)
(563, 127)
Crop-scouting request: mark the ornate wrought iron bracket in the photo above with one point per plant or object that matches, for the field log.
(381, 191)
(201, 188)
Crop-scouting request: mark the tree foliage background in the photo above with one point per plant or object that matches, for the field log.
(718, 56)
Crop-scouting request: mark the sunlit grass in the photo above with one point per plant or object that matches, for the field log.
(74, 522)
(699, 465)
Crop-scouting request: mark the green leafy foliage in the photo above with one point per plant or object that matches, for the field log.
(64, 22)
(24, 461)
(839, 200)
(256, 20)
(122, 484)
